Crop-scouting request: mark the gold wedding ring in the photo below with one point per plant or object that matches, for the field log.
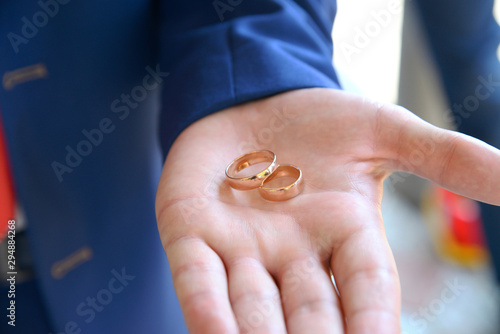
(246, 160)
(286, 192)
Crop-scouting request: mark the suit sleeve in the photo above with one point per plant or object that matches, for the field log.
(224, 52)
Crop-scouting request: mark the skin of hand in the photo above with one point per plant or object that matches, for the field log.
(241, 264)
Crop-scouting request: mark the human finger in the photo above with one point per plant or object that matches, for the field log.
(254, 297)
(310, 303)
(200, 282)
(456, 161)
(367, 280)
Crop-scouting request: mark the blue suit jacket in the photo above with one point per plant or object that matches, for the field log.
(93, 95)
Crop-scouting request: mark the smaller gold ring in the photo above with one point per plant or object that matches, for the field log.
(246, 160)
(283, 193)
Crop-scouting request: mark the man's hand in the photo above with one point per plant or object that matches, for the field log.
(243, 264)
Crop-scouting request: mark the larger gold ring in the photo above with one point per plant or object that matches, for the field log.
(283, 193)
(246, 160)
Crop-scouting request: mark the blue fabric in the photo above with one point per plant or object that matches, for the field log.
(262, 47)
(464, 37)
(83, 130)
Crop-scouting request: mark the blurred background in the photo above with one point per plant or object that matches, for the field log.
(447, 281)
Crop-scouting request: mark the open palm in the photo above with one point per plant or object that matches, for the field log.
(243, 264)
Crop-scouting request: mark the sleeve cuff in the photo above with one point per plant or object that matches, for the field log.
(251, 57)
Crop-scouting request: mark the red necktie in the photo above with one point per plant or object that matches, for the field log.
(6, 188)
